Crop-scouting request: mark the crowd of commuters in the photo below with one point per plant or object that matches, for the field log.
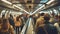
(44, 23)
(48, 24)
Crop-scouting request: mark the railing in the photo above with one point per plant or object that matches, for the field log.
(28, 27)
(25, 27)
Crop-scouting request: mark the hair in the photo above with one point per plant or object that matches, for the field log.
(11, 16)
(17, 18)
(42, 14)
(47, 17)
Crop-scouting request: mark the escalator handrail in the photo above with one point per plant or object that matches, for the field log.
(25, 27)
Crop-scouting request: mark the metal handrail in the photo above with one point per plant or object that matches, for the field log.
(25, 27)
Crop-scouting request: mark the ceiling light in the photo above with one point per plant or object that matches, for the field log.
(21, 9)
(50, 1)
(38, 9)
(7, 2)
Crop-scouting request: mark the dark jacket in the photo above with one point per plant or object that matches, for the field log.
(48, 28)
(11, 21)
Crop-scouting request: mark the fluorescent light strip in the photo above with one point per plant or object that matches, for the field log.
(50, 1)
(21, 9)
(7, 2)
(38, 9)
(14, 5)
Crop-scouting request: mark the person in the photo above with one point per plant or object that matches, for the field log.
(22, 20)
(57, 24)
(18, 24)
(11, 21)
(39, 23)
(45, 28)
(6, 28)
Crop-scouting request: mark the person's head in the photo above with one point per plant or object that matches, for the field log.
(46, 17)
(17, 18)
(11, 16)
(42, 14)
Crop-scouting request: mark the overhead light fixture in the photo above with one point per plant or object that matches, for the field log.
(38, 9)
(5, 1)
(21, 9)
(50, 1)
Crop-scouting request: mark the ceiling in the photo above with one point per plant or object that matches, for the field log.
(29, 5)
(33, 5)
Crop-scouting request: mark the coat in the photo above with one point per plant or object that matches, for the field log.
(47, 30)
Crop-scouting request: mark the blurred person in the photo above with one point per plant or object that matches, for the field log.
(34, 17)
(50, 24)
(47, 18)
(11, 20)
(22, 21)
(51, 19)
(56, 18)
(6, 28)
(42, 14)
(18, 25)
(39, 22)
(24, 16)
(57, 24)
(44, 28)
(39, 25)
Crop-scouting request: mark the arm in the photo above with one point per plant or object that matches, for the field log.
(11, 29)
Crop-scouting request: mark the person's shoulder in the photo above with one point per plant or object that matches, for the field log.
(50, 26)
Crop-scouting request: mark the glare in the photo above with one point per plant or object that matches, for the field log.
(43, 1)
(7, 2)
(21, 9)
(50, 11)
(3, 12)
(40, 4)
(55, 11)
(38, 9)
(50, 1)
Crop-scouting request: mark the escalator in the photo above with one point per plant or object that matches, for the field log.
(28, 27)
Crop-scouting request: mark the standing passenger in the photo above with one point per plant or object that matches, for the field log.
(6, 28)
(57, 24)
(17, 25)
(43, 27)
(11, 21)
